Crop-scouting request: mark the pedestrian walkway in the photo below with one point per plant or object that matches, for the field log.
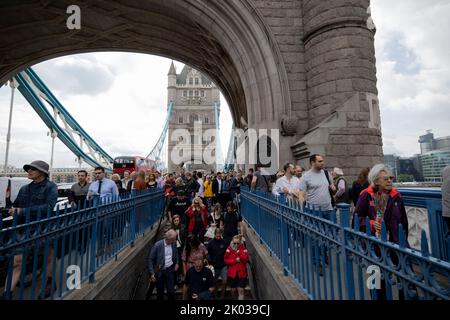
(165, 225)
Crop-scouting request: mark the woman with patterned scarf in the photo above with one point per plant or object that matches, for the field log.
(381, 201)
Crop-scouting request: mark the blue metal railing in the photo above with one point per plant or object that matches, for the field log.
(67, 245)
(330, 260)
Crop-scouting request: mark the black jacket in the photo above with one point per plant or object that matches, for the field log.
(192, 187)
(215, 186)
(216, 252)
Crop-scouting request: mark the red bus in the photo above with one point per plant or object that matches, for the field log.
(129, 163)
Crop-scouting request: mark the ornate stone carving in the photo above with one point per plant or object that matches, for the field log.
(417, 221)
(288, 126)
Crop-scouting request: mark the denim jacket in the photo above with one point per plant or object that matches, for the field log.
(37, 196)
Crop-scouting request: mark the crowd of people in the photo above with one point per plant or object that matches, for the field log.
(371, 196)
(208, 252)
(204, 250)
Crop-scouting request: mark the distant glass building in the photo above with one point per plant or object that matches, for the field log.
(404, 165)
(410, 166)
(433, 162)
(435, 156)
(391, 160)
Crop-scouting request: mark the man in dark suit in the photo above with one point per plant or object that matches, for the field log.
(217, 185)
(162, 264)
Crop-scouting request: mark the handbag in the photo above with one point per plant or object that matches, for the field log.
(210, 267)
(210, 233)
(333, 203)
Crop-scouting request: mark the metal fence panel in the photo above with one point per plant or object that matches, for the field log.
(330, 260)
(69, 244)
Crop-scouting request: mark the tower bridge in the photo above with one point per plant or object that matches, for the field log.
(305, 68)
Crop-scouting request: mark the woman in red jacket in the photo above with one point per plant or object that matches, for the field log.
(198, 218)
(236, 258)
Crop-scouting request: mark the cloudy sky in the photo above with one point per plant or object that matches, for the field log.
(115, 95)
(413, 69)
(112, 95)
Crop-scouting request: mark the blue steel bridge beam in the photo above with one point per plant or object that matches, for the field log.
(219, 156)
(230, 154)
(69, 120)
(35, 92)
(156, 152)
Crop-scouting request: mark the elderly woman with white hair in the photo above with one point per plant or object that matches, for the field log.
(381, 201)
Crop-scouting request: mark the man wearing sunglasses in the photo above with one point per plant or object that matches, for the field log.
(38, 197)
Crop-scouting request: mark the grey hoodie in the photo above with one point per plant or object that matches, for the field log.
(446, 192)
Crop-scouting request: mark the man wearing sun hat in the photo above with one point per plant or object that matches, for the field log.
(40, 195)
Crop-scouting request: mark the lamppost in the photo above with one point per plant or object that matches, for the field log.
(13, 84)
(53, 134)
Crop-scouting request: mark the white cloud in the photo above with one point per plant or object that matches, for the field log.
(413, 70)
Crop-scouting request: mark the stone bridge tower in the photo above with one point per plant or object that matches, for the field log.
(194, 96)
(328, 54)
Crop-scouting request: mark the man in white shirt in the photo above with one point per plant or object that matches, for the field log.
(200, 182)
(163, 263)
(287, 184)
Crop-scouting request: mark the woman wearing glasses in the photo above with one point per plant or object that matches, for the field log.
(381, 201)
(236, 259)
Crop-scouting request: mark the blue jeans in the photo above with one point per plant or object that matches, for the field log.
(327, 214)
(318, 258)
(166, 279)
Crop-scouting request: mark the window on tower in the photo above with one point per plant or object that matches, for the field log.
(191, 93)
(206, 120)
(184, 93)
(196, 81)
(196, 93)
(202, 93)
(180, 120)
(191, 81)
